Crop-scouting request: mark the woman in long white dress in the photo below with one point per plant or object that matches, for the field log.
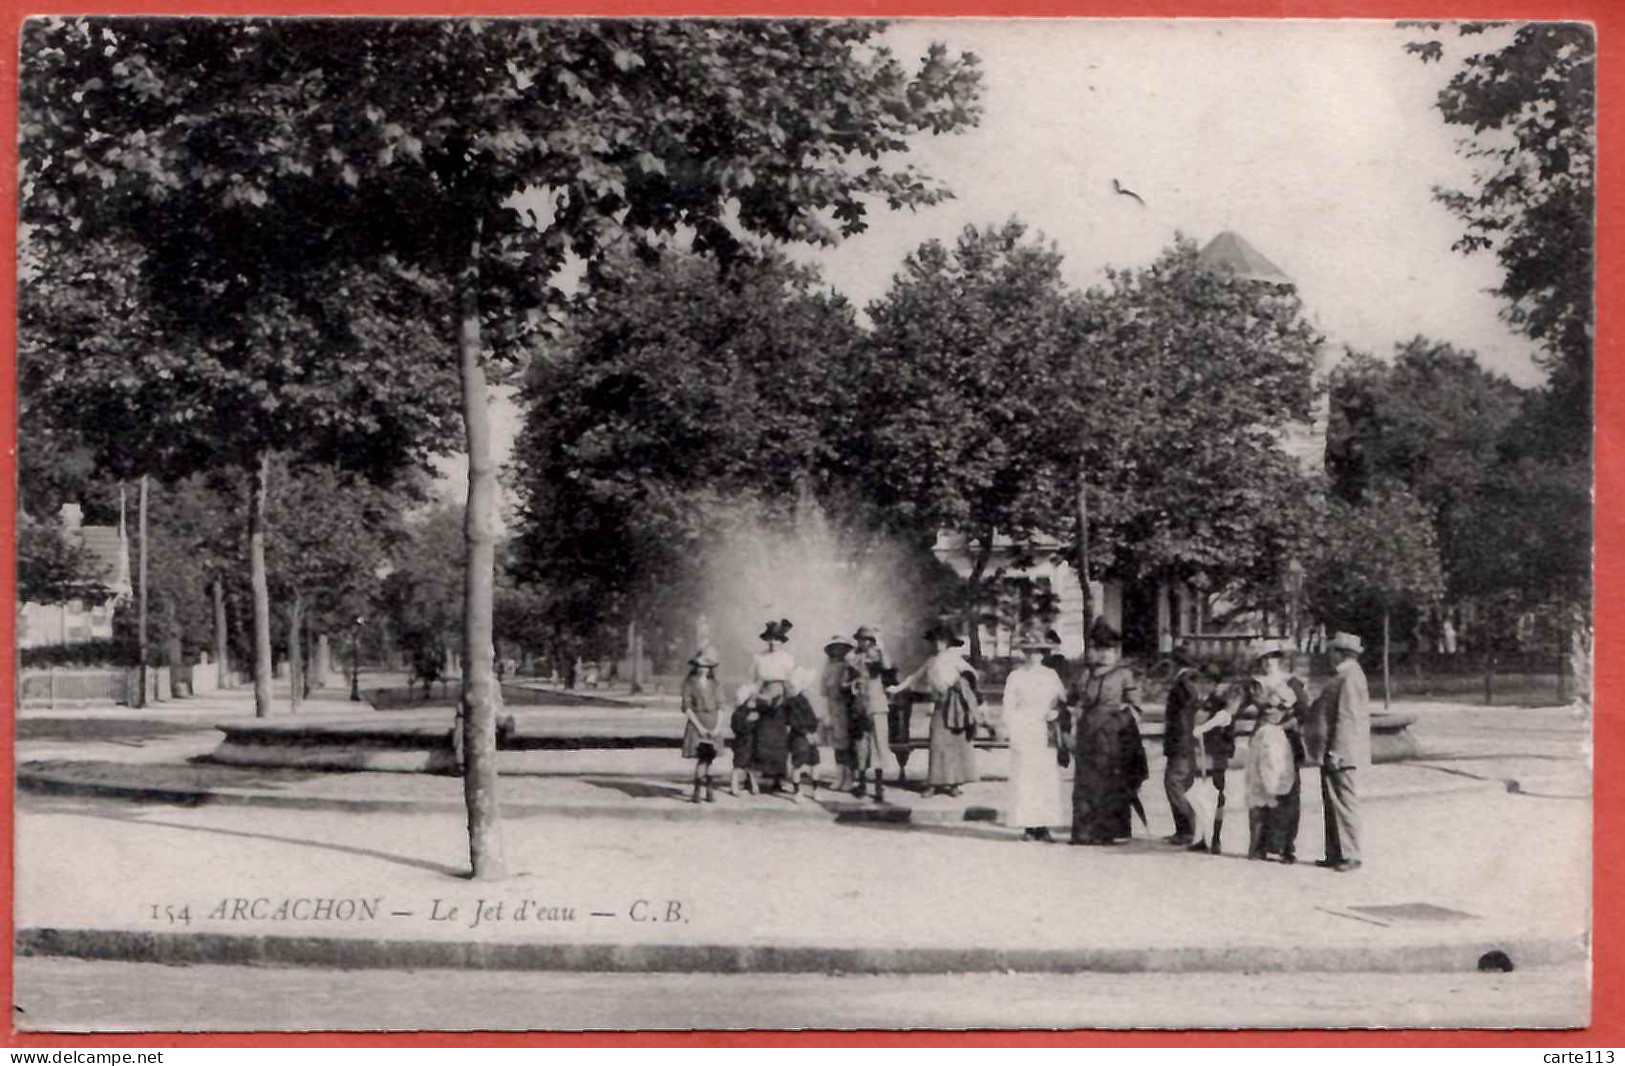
(1033, 694)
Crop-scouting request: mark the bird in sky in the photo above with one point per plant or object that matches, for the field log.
(1117, 188)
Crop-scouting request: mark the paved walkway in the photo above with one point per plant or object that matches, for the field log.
(917, 885)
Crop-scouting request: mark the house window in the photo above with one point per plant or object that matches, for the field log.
(76, 606)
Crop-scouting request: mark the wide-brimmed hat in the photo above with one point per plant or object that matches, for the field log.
(944, 632)
(706, 656)
(1263, 649)
(1347, 642)
(838, 641)
(1103, 635)
(867, 633)
(1038, 640)
(778, 632)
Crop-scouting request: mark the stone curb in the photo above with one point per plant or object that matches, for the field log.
(356, 953)
(853, 811)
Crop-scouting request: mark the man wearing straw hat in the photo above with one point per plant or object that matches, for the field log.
(1345, 708)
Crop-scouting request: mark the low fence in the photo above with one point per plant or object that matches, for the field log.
(57, 687)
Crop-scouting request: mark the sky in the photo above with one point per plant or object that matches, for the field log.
(1318, 142)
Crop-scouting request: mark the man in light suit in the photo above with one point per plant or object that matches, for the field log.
(1345, 710)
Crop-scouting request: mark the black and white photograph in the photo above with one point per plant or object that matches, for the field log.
(566, 524)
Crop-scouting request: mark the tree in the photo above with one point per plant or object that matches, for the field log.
(483, 155)
(51, 566)
(1373, 558)
(328, 537)
(955, 425)
(162, 380)
(1186, 380)
(676, 393)
(421, 595)
(1433, 420)
(1530, 105)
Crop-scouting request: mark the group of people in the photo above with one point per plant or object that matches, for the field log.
(1091, 724)
(774, 729)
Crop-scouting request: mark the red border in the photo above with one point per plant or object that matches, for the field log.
(1608, 997)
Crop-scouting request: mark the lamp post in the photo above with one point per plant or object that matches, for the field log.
(355, 659)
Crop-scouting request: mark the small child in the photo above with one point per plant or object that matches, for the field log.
(743, 725)
(803, 722)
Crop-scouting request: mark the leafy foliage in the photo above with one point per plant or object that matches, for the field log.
(1530, 105)
(1187, 380)
(955, 425)
(675, 394)
(1374, 557)
(52, 567)
(1436, 422)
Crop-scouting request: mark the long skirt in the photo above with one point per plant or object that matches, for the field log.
(694, 747)
(953, 756)
(1033, 796)
(1274, 830)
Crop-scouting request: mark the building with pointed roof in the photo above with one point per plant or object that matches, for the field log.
(1229, 252)
(88, 616)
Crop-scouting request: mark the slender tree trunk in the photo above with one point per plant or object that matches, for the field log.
(324, 660)
(634, 653)
(296, 653)
(141, 609)
(222, 645)
(1387, 693)
(262, 595)
(480, 697)
(973, 597)
(1083, 551)
(172, 640)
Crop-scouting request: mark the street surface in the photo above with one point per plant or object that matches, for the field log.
(70, 993)
(1458, 862)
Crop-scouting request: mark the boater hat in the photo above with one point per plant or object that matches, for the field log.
(1347, 642)
(706, 656)
(1263, 649)
(867, 633)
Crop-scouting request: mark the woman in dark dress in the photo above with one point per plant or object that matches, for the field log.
(1109, 757)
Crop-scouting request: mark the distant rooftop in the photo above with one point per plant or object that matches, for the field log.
(1230, 252)
(111, 560)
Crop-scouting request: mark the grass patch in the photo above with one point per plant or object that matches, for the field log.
(126, 729)
(181, 776)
